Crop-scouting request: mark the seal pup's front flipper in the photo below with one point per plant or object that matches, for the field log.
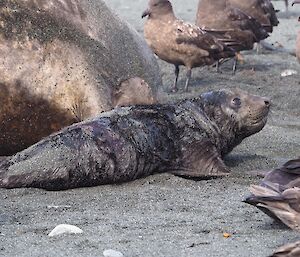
(201, 161)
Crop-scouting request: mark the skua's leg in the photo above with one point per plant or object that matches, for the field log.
(188, 77)
(259, 47)
(235, 60)
(238, 58)
(174, 88)
(218, 66)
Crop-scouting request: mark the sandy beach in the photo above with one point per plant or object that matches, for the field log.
(163, 215)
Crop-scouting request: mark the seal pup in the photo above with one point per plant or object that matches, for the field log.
(188, 138)
(288, 250)
(230, 25)
(179, 42)
(278, 195)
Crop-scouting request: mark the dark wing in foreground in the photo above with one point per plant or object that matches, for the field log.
(277, 202)
(287, 175)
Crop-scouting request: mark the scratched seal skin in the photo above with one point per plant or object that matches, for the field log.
(188, 138)
(61, 62)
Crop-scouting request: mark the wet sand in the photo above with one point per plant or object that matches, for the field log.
(164, 215)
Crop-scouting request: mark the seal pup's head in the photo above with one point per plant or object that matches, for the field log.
(158, 9)
(237, 113)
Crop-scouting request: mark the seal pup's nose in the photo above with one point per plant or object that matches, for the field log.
(267, 102)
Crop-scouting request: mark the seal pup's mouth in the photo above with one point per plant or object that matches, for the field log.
(256, 119)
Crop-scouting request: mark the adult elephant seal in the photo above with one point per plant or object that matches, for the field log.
(188, 138)
(63, 61)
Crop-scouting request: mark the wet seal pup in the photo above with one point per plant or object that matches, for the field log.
(188, 138)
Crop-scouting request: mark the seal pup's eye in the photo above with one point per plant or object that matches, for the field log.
(236, 102)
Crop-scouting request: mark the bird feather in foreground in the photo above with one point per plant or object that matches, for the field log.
(279, 194)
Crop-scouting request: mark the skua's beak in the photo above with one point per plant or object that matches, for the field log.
(146, 13)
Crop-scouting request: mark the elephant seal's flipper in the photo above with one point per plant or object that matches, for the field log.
(201, 160)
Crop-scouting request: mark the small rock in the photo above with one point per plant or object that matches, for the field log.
(226, 235)
(6, 219)
(287, 73)
(65, 229)
(58, 206)
(112, 253)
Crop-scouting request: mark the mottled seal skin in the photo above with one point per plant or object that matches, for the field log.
(188, 138)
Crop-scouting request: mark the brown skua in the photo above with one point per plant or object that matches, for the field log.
(179, 42)
(229, 24)
(278, 195)
(262, 10)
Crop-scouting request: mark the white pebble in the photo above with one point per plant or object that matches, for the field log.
(58, 206)
(112, 253)
(287, 73)
(65, 229)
